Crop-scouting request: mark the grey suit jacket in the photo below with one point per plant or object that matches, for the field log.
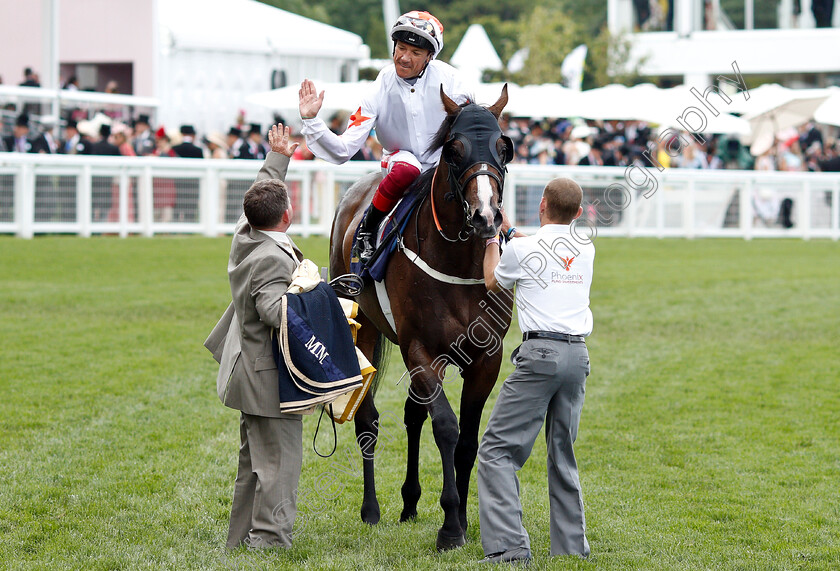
(260, 271)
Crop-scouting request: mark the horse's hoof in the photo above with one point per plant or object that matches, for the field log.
(445, 542)
(370, 515)
(408, 515)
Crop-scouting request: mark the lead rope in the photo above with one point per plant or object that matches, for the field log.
(335, 433)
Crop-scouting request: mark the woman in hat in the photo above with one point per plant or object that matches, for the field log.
(164, 188)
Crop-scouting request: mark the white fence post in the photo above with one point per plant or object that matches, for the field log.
(689, 212)
(509, 198)
(805, 211)
(25, 201)
(145, 201)
(745, 214)
(209, 201)
(632, 210)
(835, 211)
(324, 197)
(84, 198)
(305, 203)
(660, 211)
(123, 210)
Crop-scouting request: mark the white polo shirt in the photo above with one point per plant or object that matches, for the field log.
(552, 273)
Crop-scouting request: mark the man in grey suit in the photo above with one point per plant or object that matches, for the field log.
(262, 259)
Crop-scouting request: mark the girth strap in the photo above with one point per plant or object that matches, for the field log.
(440, 276)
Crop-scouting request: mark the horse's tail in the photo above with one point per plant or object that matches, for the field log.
(381, 358)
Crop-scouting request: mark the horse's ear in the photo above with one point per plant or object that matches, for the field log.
(449, 106)
(499, 105)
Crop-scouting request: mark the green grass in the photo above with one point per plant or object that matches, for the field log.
(709, 437)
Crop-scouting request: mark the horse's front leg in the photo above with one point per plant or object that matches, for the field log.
(479, 380)
(426, 389)
(367, 429)
(367, 432)
(415, 416)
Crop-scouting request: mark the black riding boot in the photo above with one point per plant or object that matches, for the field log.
(367, 233)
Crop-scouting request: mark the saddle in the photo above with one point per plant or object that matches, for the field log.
(388, 234)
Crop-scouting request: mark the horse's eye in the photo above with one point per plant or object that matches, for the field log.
(504, 147)
(501, 149)
(453, 152)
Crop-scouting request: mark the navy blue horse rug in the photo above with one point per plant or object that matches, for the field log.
(314, 350)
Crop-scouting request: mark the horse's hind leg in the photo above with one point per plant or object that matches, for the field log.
(415, 416)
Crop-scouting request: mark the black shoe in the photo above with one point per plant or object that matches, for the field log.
(365, 245)
(517, 556)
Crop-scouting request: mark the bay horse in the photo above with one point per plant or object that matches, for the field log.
(441, 317)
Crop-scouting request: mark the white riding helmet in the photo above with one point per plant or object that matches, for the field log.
(419, 29)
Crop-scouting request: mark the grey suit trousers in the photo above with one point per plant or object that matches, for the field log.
(547, 384)
(264, 496)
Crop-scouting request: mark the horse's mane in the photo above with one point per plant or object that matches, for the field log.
(442, 133)
(422, 182)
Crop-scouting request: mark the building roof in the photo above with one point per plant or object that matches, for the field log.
(252, 27)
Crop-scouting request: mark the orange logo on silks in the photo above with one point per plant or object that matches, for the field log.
(567, 262)
(357, 118)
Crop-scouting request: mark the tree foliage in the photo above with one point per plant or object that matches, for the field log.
(548, 34)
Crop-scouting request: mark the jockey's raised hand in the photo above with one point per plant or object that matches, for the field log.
(279, 137)
(309, 100)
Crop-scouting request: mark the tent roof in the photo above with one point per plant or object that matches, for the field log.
(251, 26)
(475, 53)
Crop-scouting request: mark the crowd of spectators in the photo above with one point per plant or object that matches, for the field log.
(103, 135)
(623, 143)
(542, 141)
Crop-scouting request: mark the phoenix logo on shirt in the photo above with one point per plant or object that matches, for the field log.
(567, 262)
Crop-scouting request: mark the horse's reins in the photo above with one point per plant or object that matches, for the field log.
(437, 222)
(457, 187)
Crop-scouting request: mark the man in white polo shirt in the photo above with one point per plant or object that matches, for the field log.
(552, 272)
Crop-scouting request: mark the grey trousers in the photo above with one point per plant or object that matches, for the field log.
(264, 496)
(548, 383)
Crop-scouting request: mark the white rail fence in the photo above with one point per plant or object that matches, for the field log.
(49, 194)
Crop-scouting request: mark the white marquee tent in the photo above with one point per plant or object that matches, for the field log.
(475, 53)
(215, 53)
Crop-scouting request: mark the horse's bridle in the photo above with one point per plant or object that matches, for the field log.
(477, 130)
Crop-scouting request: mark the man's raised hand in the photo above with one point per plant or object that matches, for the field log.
(279, 137)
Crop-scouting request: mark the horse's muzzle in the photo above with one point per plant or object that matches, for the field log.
(484, 226)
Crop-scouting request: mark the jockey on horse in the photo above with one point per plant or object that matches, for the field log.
(404, 106)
